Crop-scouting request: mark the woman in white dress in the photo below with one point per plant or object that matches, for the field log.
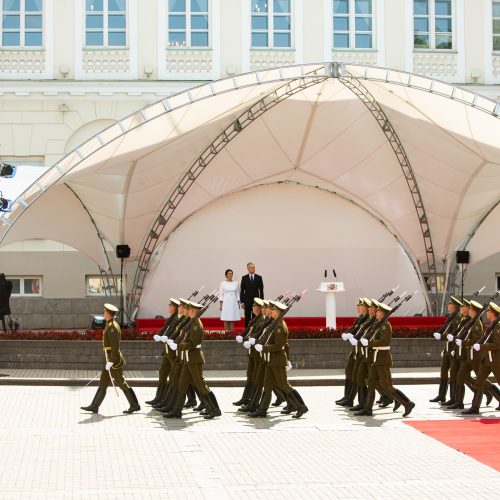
(229, 296)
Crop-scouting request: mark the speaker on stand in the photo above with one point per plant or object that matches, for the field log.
(462, 257)
(122, 253)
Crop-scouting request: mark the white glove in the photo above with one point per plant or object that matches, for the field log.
(246, 344)
(458, 342)
(364, 342)
(109, 364)
(349, 335)
(258, 347)
(344, 336)
(437, 335)
(289, 366)
(453, 353)
(157, 338)
(449, 337)
(354, 341)
(164, 339)
(252, 341)
(476, 347)
(173, 346)
(239, 339)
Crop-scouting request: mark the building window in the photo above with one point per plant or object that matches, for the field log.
(352, 24)
(440, 282)
(22, 23)
(496, 26)
(433, 24)
(105, 23)
(96, 286)
(188, 23)
(271, 24)
(26, 286)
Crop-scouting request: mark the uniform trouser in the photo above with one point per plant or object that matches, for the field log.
(454, 369)
(363, 370)
(117, 374)
(250, 367)
(380, 378)
(350, 366)
(464, 373)
(165, 368)
(258, 374)
(248, 313)
(3, 324)
(192, 374)
(175, 372)
(357, 363)
(483, 373)
(445, 365)
(275, 377)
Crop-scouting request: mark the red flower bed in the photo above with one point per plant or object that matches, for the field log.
(134, 334)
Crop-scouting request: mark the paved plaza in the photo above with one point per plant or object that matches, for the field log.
(49, 448)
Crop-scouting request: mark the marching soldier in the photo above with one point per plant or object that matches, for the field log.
(451, 324)
(112, 372)
(379, 376)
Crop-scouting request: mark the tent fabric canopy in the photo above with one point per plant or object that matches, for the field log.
(322, 135)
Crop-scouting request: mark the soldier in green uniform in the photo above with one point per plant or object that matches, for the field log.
(273, 350)
(379, 376)
(162, 336)
(253, 355)
(192, 358)
(489, 347)
(452, 323)
(114, 363)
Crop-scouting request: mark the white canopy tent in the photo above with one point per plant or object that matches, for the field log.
(421, 156)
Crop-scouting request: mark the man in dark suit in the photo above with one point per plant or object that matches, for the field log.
(251, 286)
(5, 291)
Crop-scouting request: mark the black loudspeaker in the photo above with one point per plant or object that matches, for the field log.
(463, 256)
(122, 251)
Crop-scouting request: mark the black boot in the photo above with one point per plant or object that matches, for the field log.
(404, 400)
(385, 401)
(163, 396)
(213, 407)
(459, 398)
(132, 401)
(476, 404)
(96, 402)
(157, 398)
(166, 404)
(351, 394)
(245, 398)
(367, 411)
(291, 405)
(342, 399)
(254, 402)
(301, 406)
(441, 397)
(453, 392)
(265, 401)
(494, 391)
(360, 404)
(280, 397)
(191, 398)
(177, 405)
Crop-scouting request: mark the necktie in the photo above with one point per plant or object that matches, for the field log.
(251, 277)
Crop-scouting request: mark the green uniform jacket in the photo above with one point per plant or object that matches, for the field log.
(276, 345)
(382, 339)
(453, 326)
(168, 331)
(111, 344)
(491, 349)
(190, 347)
(473, 335)
(172, 355)
(255, 327)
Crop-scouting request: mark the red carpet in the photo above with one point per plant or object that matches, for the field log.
(477, 438)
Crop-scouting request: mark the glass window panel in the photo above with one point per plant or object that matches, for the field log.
(94, 5)
(421, 7)
(341, 23)
(259, 22)
(421, 41)
(259, 40)
(93, 38)
(282, 40)
(443, 7)
(363, 23)
(363, 6)
(496, 43)
(116, 21)
(177, 22)
(496, 9)
(363, 41)
(116, 5)
(33, 5)
(259, 5)
(94, 21)
(282, 22)
(16, 285)
(341, 41)
(33, 22)
(177, 39)
(177, 5)
(443, 25)
(199, 5)
(443, 42)
(10, 22)
(496, 26)
(117, 39)
(199, 39)
(11, 39)
(341, 6)
(31, 285)
(282, 6)
(33, 39)
(421, 24)
(199, 22)
(11, 5)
